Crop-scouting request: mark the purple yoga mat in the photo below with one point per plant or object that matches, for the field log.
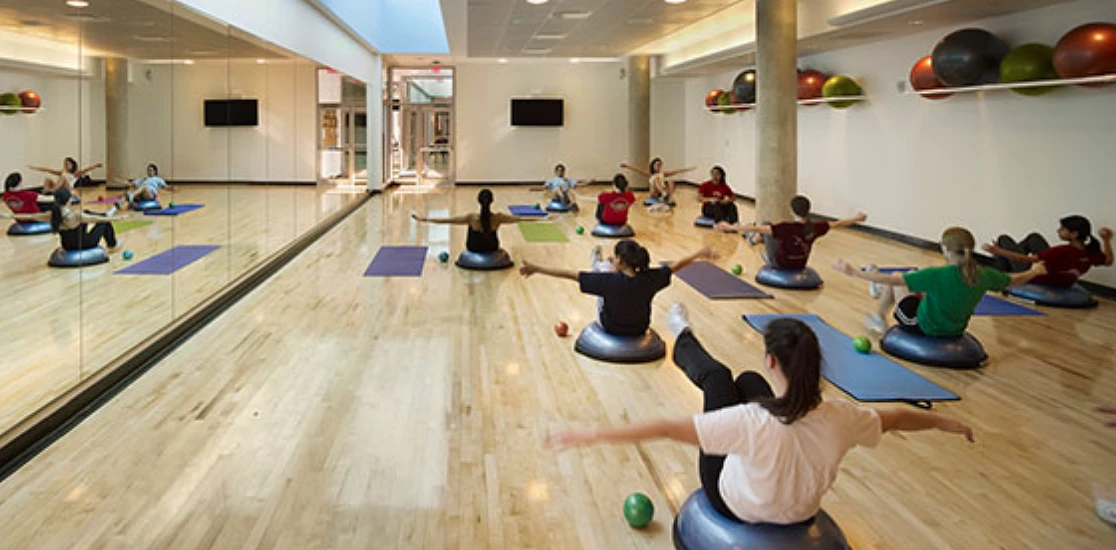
(717, 284)
(170, 261)
(397, 261)
(178, 209)
(525, 210)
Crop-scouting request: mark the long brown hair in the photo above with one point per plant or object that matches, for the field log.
(795, 346)
(957, 246)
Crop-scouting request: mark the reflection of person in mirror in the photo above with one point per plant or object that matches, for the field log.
(143, 189)
(67, 178)
(73, 225)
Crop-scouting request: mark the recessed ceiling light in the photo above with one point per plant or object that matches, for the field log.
(536, 51)
(77, 3)
(575, 60)
(537, 2)
(549, 36)
(914, 22)
(261, 62)
(502, 60)
(576, 15)
(675, 1)
(187, 61)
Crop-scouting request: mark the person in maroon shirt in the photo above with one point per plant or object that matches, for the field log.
(789, 243)
(717, 198)
(23, 201)
(613, 206)
(1065, 263)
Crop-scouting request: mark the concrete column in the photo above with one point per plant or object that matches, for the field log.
(117, 163)
(374, 99)
(777, 108)
(639, 114)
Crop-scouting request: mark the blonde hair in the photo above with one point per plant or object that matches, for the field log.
(957, 246)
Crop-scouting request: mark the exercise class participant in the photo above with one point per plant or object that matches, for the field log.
(72, 225)
(789, 243)
(717, 199)
(561, 188)
(768, 452)
(67, 177)
(613, 206)
(662, 187)
(481, 234)
(23, 201)
(1065, 263)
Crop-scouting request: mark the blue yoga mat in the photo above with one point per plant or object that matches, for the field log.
(717, 284)
(397, 261)
(526, 210)
(864, 376)
(989, 306)
(165, 263)
(178, 209)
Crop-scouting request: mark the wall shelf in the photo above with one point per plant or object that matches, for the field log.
(817, 101)
(1103, 79)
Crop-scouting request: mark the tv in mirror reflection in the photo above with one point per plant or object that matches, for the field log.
(232, 112)
(537, 112)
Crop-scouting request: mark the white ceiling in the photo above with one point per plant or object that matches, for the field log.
(505, 28)
(136, 29)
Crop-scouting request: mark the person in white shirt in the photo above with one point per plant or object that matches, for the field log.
(67, 177)
(561, 188)
(147, 188)
(768, 454)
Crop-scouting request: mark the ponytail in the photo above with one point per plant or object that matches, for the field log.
(485, 200)
(958, 244)
(61, 197)
(633, 255)
(795, 347)
(800, 205)
(1084, 230)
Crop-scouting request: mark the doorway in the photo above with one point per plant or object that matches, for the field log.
(422, 125)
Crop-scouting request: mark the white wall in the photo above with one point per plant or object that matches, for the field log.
(167, 124)
(993, 162)
(592, 143)
(668, 122)
(64, 127)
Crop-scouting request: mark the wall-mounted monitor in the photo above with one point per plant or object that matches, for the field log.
(232, 112)
(537, 112)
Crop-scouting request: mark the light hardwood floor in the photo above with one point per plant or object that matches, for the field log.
(329, 410)
(63, 325)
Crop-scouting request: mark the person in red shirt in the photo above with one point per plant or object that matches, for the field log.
(1065, 263)
(613, 206)
(22, 201)
(717, 198)
(789, 243)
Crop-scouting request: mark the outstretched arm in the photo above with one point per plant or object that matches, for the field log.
(39, 217)
(907, 420)
(455, 220)
(89, 217)
(1106, 236)
(893, 279)
(1038, 268)
(639, 171)
(681, 429)
(745, 228)
(88, 169)
(672, 173)
(529, 269)
(859, 218)
(703, 254)
(50, 171)
(991, 248)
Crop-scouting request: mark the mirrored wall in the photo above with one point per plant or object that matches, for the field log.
(107, 101)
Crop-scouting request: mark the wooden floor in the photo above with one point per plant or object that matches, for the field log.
(330, 410)
(63, 325)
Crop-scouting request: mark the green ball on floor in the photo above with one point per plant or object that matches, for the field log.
(128, 255)
(538, 206)
(580, 230)
(443, 257)
(638, 510)
(862, 344)
(171, 205)
(737, 269)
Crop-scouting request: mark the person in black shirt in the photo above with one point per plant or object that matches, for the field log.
(481, 236)
(627, 289)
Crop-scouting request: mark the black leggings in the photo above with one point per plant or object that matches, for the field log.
(82, 238)
(721, 212)
(1031, 244)
(719, 391)
(600, 209)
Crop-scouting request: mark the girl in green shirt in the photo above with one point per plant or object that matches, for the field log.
(939, 301)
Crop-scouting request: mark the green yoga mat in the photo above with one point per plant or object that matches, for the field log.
(128, 225)
(542, 232)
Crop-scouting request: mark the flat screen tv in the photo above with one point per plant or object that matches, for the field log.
(536, 112)
(232, 112)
